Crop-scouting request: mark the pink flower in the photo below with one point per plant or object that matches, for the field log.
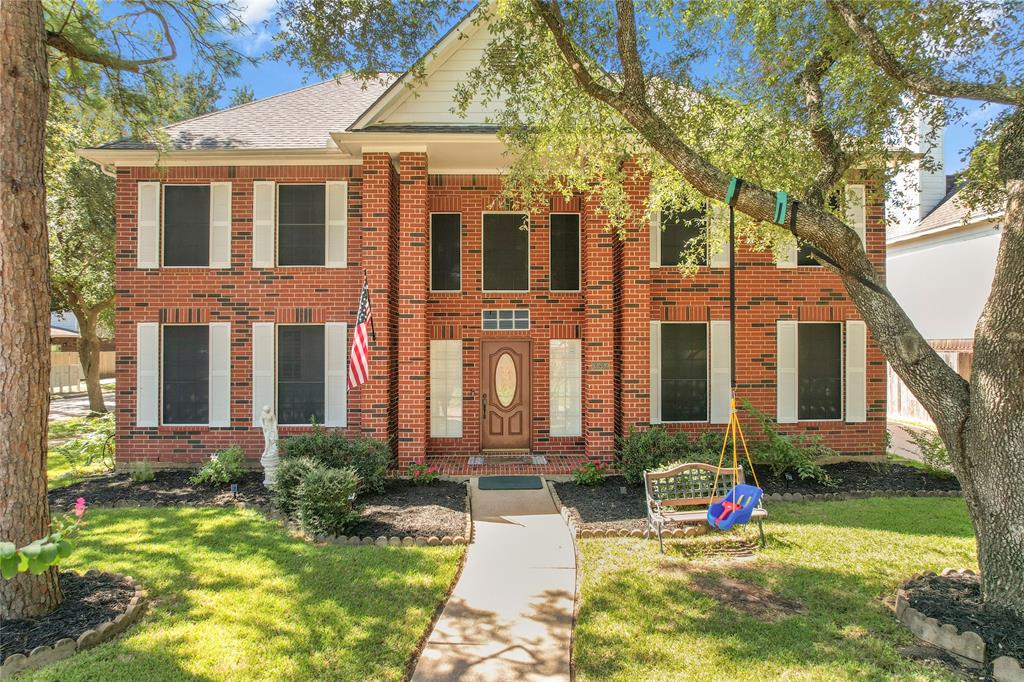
(80, 507)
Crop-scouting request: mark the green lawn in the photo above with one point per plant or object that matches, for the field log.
(641, 617)
(234, 597)
(60, 473)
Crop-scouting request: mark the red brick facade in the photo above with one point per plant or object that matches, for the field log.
(389, 202)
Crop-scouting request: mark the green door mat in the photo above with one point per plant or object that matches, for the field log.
(510, 483)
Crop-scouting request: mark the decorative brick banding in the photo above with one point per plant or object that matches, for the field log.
(67, 647)
(967, 647)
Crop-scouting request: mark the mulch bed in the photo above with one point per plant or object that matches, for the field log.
(404, 509)
(167, 488)
(853, 476)
(617, 505)
(956, 599)
(89, 600)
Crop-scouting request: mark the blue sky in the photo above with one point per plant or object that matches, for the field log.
(274, 77)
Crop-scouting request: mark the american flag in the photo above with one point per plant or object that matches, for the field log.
(359, 360)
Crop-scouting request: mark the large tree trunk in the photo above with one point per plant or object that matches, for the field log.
(89, 356)
(24, 302)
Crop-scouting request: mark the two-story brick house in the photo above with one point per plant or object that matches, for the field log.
(241, 252)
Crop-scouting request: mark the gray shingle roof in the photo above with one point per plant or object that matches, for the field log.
(951, 212)
(300, 119)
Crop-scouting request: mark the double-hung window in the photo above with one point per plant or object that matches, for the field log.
(565, 251)
(300, 374)
(506, 247)
(683, 232)
(684, 372)
(186, 374)
(186, 225)
(445, 252)
(819, 370)
(301, 224)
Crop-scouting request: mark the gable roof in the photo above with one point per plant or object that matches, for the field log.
(299, 119)
(951, 212)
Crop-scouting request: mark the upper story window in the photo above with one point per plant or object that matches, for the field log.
(805, 256)
(565, 251)
(445, 252)
(506, 247)
(300, 373)
(819, 370)
(684, 372)
(683, 231)
(186, 374)
(186, 225)
(301, 224)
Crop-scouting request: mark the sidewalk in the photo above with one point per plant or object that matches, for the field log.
(510, 615)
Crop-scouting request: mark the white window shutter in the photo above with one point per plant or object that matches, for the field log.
(787, 255)
(721, 372)
(263, 221)
(336, 351)
(786, 362)
(856, 210)
(718, 236)
(147, 215)
(220, 374)
(337, 224)
(655, 372)
(656, 239)
(856, 371)
(445, 388)
(262, 370)
(220, 224)
(566, 387)
(147, 361)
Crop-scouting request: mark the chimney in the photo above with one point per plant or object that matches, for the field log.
(920, 185)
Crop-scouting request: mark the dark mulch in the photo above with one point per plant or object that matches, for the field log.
(852, 476)
(89, 600)
(956, 599)
(167, 488)
(438, 508)
(617, 505)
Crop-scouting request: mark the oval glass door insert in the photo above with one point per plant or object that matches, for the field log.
(505, 379)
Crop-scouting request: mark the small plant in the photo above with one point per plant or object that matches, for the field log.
(589, 473)
(289, 475)
(422, 474)
(93, 446)
(647, 450)
(324, 500)
(223, 467)
(933, 451)
(790, 454)
(37, 556)
(142, 472)
(368, 456)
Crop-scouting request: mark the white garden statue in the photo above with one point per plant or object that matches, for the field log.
(269, 460)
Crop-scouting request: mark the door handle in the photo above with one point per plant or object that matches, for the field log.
(484, 406)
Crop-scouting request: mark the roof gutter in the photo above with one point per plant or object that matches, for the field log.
(121, 158)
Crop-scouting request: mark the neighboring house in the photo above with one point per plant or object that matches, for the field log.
(241, 256)
(940, 261)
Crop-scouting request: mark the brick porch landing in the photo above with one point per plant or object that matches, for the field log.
(494, 465)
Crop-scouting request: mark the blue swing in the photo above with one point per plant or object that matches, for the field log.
(736, 507)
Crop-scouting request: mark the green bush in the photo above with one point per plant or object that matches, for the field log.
(789, 454)
(368, 456)
(649, 449)
(142, 472)
(223, 467)
(708, 448)
(287, 478)
(94, 445)
(933, 451)
(589, 473)
(324, 500)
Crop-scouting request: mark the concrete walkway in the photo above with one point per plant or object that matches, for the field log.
(76, 404)
(510, 615)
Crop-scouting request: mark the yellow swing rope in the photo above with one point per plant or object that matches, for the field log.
(731, 430)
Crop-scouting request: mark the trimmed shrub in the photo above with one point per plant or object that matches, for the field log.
(287, 479)
(223, 467)
(649, 449)
(784, 454)
(368, 456)
(324, 500)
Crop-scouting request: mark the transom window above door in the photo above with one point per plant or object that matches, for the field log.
(506, 250)
(301, 224)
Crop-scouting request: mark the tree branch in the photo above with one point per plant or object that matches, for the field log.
(633, 85)
(836, 161)
(924, 83)
(58, 41)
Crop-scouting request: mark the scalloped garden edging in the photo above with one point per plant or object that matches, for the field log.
(578, 532)
(967, 647)
(67, 647)
(859, 494)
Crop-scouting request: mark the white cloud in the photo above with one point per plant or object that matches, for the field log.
(256, 10)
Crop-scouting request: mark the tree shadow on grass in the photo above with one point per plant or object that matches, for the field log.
(236, 597)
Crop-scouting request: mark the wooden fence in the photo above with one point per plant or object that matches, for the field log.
(66, 375)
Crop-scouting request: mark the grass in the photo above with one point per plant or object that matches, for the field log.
(642, 618)
(234, 597)
(60, 472)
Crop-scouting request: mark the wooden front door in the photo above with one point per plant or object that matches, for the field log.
(505, 395)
